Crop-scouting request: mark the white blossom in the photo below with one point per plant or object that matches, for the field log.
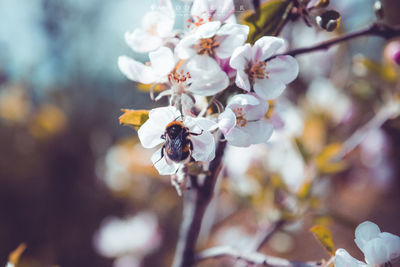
(212, 39)
(378, 247)
(212, 10)
(151, 131)
(267, 79)
(243, 122)
(157, 26)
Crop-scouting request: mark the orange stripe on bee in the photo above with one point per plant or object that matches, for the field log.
(186, 149)
(175, 123)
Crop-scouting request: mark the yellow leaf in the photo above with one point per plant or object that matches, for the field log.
(314, 135)
(326, 161)
(324, 236)
(267, 20)
(16, 254)
(304, 190)
(134, 118)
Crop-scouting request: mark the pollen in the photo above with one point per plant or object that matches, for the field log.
(207, 46)
(241, 121)
(258, 71)
(196, 21)
(179, 77)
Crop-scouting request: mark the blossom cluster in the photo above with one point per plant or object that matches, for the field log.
(208, 64)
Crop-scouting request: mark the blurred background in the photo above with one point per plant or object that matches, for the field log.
(77, 188)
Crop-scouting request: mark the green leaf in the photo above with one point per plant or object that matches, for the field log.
(267, 20)
(134, 118)
(324, 236)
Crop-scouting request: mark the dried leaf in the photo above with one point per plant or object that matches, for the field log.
(134, 118)
(14, 256)
(324, 236)
(267, 20)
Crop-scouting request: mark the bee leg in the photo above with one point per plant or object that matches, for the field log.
(191, 150)
(162, 154)
(162, 136)
(196, 134)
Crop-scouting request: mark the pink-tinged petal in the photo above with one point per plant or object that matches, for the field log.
(260, 131)
(243, 100)
(283, 68)
(207, 76)
(199, 8)
(150, 132)
(265, 47)
(203, 147)
(375, 252)
(268, 88)
(208, 30)
(159, 22)
(136, 71)
(344, 259)
(392, 245)
(237, 137)
(142, 41)
(230, 36)
(365, 232)
(256, 112)
(225, 67)
(164, 166)
(184, 49)
(242, 80)
(241, 57)
(226, 121)
(162, 61)
(224, 11)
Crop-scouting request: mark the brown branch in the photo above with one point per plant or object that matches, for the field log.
(251, 258)
(266, 234)
(376, 29)
(195, 204)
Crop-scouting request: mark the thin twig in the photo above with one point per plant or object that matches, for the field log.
(266, 234)
(256, 4)
(376, 29)
(195, 204)
(250, 258)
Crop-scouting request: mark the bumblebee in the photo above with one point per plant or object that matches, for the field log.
(177, 146)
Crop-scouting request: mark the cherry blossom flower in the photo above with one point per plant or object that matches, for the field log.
(212, 39)
(267, 79)
(243, 123)
(151, 131)
(162, 62)
(157, 26)
(378, 248)
(212, 10)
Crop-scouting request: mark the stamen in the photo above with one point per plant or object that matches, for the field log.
(241, 121)
(207, 46)
(258, 71)
(196, 21)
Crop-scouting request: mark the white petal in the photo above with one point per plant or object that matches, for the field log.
(392, 245)
(265, 47)
(242, 80)
(150, 132)
(184, 49)
(142, 41)
(162, 61)
(208, 30)
(260, 131)
(256, 112)
(226, 121)
(268, 88)
(207, 76)
(237, 137)
(203, 147)
(344, 259)
(231, 36)
(163, 166)
(375, 252)
(241, 57)
(136, 71)
(199, 8)
(283, 68)
(365, 232)
(224, 10)
(243, 100)
(159, 22)
(205, 124)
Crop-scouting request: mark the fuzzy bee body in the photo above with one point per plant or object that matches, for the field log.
(178, 147)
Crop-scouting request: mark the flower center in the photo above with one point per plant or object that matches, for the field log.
(179, 80)
(258, 71)
(241, 121)
(206, 46)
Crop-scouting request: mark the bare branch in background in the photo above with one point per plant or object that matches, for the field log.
(376, 29)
